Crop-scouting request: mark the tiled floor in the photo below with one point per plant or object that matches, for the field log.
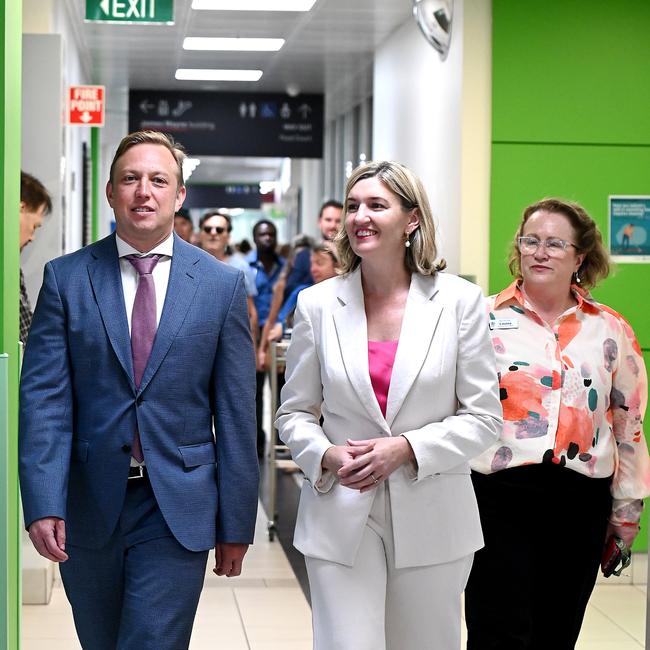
(265, 609)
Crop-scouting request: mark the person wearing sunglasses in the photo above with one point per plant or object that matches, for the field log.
(214, 238)
(571, 467)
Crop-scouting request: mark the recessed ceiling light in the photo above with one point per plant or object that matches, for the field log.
(254, 5)
(233, 44)
(189, 165)
(194, 74)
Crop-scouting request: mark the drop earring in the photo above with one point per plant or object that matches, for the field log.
(407, 243)
(577, 278)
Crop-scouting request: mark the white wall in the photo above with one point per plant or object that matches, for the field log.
(51, 149)
(476, 141)
(422, 110)
(75, 72)
(117, 126)
(307, 174)
(41, 149)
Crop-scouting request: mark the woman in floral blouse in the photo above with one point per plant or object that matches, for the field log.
(571, 466)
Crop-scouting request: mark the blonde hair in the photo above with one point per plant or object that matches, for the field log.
(596, 264)
(420, 257)
(151, 137)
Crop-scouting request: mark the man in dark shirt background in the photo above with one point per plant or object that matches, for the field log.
(267, 265)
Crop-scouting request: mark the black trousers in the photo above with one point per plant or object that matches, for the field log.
(544, 528)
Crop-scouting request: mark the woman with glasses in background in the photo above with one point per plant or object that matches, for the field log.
(214, 238)
(571, 466)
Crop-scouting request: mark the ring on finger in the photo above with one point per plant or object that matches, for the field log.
(374, 478)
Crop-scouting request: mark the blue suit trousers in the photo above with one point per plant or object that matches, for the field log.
(141, 590)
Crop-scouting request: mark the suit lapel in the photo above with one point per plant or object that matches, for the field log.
(419, 324)
(183, 282)
(352, 333)
(106, 282)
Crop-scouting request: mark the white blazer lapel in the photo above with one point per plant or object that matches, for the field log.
(419, 324)
(352, 333)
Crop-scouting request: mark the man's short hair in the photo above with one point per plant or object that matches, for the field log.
(332, 203)
(33, 193)
(152, 137)
(216, 213)
(262, 222)
(183, 213)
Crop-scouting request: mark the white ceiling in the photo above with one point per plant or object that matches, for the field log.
(328, 50)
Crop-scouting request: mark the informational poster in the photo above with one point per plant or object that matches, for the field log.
(629, 229)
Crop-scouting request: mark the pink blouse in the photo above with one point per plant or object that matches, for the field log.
(381, 357)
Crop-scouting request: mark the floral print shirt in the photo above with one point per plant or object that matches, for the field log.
(573, 393)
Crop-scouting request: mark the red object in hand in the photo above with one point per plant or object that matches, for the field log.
(616, 552)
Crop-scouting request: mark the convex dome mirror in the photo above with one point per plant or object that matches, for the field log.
(434, 19)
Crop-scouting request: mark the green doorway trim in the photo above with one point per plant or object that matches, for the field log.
(10, 144)
(94, 202)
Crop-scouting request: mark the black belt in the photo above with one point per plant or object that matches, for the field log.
(138, 473)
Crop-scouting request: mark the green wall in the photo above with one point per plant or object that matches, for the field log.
(10, 85)
(571, 118)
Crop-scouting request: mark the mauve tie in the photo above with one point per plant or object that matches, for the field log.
(143, 326)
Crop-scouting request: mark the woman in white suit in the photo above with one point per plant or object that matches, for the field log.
(391, 389)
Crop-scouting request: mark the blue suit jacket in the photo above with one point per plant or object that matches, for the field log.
(79, 405)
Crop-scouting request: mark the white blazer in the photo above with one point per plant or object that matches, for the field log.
(443, 397)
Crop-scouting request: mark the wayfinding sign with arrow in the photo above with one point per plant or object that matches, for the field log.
(86, 105)
(130, 11)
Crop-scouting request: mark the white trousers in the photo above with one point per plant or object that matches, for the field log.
(374, 606)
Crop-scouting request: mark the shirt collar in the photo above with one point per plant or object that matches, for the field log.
(514, 293)
(254, 260)
(165, 247)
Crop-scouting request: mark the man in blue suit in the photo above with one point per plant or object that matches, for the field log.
(137, 425)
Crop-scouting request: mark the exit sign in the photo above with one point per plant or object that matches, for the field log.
(130, 11)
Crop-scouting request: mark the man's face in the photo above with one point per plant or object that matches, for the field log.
(30, 220)
(265, 238)
(329, 222)
(214, 236)
(144, 194)
(183, 228)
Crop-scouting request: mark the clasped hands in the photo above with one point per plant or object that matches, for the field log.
(364, 464)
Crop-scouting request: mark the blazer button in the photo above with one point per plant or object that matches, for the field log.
(139, 400)
(126, 449)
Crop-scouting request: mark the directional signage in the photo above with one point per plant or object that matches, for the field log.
(86, 105)
(233, 124)
(234, 195)
(130, 11)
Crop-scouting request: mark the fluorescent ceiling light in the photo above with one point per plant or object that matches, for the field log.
(233, 44)
(189, 165)
(193, 74)
(254, 5)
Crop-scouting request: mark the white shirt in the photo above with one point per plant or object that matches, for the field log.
(160, 274)
(130, 279)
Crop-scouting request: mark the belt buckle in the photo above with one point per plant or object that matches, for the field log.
(140, 472)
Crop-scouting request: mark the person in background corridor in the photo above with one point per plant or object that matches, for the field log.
(297, 273)
(214, 238)
(35, 203)
(267, 266)
(183, 225)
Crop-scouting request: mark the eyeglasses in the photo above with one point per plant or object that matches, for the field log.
(554, 247)
(208, 230)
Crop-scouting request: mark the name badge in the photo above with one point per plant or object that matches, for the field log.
(504, 324)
